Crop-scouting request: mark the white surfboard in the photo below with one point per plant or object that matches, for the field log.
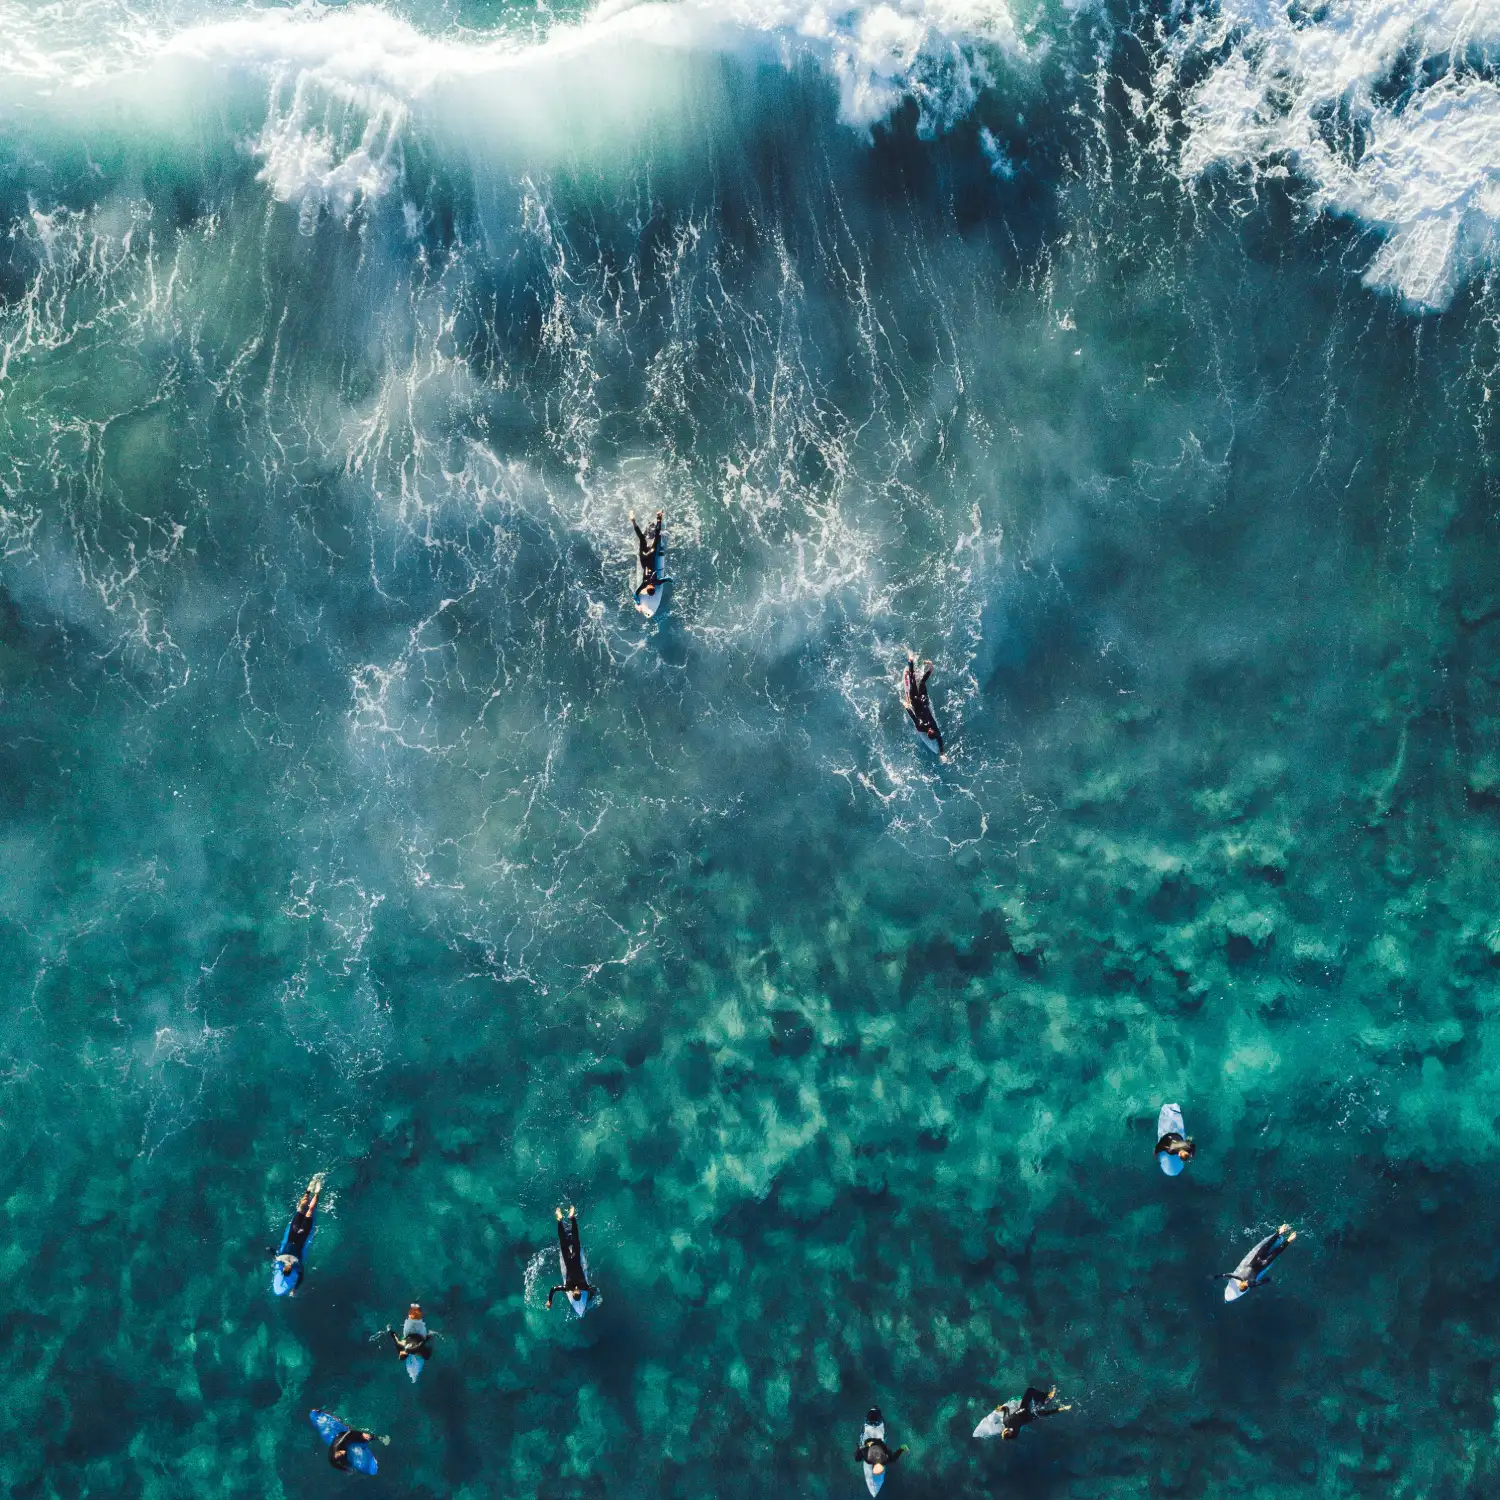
(648, 604)
(993, 1424)
(927, 743)
(1232, 1289)
(578, 1301)
(1168, 1120)
(414, 1327)
(873, 1481)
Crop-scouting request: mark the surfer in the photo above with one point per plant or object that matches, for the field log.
(649, 545)
(575, 1281)
(338, 1449)
(1256, 1266)
(1014, 1415)
(873, 1451)
(1175, 1144)
(918, 708)
(415, 1340)
(288, 1271)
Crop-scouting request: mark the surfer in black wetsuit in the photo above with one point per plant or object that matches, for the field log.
(413, 1342)
(574, 1280)
(1180, 1146)
(918, 709)
(294, 1241)
(1014, 1415)
(649, 546)
(874, 1451)
(338, 1449)
(1251, 1271)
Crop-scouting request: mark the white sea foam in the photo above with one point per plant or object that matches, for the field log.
(1419, 162)
(345, 83)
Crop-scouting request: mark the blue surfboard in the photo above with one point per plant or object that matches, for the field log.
(282, 1284)
(329, 1427)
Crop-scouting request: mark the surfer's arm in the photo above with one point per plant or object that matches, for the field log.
(640, 535)
(895, 1456)
(926, 673)
(555, 1290)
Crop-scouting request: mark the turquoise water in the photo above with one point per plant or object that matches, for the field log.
(353, 822)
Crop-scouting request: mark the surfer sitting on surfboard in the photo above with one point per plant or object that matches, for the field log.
(414, 1340)
(918, 709)
(1175, 1144)
(649, 544)
(874, 1451)
(294, 1242)
(1014, 1415)
(575, 1280)
(1255, 1267)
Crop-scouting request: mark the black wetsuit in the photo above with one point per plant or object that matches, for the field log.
(876, 1452)
(1173, 1142)
(338, 1449)
(917, 705)
(1016, 1414)
(422, 1349)
(299, 1229)
(1259, 1260)
(574, 1277)
(649, 546)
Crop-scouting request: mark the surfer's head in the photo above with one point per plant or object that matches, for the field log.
(650, 589)
(877, 1468)
(1186, 1151)
(287, 1263)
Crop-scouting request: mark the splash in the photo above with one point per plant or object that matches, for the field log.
(1389, 113)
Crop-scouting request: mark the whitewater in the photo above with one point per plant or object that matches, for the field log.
(1132, 363)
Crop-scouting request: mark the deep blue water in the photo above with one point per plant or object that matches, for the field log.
(352, 821)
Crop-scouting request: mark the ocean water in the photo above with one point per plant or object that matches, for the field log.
(1134, 363)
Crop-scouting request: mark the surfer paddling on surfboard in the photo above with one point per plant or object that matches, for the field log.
(1256, 1266)
(873, 1452)
(288, 1268)
(648, 544)
(575, 1280)
(918, 708)
(1007, 1419)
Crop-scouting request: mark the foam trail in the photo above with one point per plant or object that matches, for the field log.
(1387, 111)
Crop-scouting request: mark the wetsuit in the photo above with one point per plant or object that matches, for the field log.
(1251, 1271)
(574, 1278)
(649, 546)
(338, 1449)
(419, 1344)
(1014, 1415)
(1173, 1143)
(298, 1232)
(917, 706)
(876, 1452)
